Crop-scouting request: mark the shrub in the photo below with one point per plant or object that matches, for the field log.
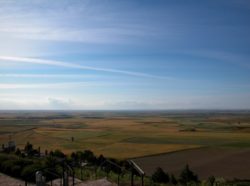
(3, 158)
(160, 176)
(50, 162)
(173, 180)
(89, 156)
(28, 173)
(211, 180)
(6, 166)
(29, 149)
(16, 170)
(59, 154)
(13, 165)
(188, 176)
(100, 159)
(18, 152)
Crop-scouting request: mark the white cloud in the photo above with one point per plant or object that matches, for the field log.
(59, 21)
(60, 103)
(51, 85)
(77, 103)
(75, 66)
(226, 57)
(48, 76)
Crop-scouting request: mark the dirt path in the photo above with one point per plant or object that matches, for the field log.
(100, 182)
(9, 181)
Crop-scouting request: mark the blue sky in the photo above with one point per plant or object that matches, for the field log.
(113, 54)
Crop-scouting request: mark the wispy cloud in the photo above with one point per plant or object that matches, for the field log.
(75, 66)
(37, 103)
(231, 58)
(70, 21)
(51, 85)
(48, 76)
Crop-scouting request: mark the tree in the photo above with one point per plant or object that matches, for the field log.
(29, 149)
(50, 162)
(89, 156)
(160, 176)
(28, 173)
(187, 176)
(18, 152)
(211, 180)
(58, 153)
(73, 156)
(173, 180)
(100, 159)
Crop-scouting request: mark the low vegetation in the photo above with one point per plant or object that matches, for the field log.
(105, 133)
(24, 166)
(117, 136)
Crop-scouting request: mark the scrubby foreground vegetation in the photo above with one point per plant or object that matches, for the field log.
(85, 165)
(228, 163)
(119, 136)
(23, 164)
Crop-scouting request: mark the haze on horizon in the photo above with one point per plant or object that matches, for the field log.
(109, 54)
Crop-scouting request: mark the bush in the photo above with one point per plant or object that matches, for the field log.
(89, 156)
(188, 176)
(59, 154)
(50, 162)
(18, 152)
(100, 159)
(24, 162)
(16, 170)
(173, 180)
(3, 158)
(29, 149)
(6, 166)
(13, 165)
(160, 176)
(211, 180)
(28, 173)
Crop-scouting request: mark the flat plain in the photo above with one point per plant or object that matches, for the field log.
(122, 135)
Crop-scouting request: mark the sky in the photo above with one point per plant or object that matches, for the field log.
(120, 55)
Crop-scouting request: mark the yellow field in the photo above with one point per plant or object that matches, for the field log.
(126, 136)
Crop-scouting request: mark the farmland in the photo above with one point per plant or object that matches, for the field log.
(228, 163)
(125, 135)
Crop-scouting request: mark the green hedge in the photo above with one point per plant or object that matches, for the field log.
(18, 167)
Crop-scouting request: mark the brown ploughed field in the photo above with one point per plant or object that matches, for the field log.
(228, 163)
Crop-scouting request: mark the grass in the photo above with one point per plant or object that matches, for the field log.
(89, 173)
(123, 135)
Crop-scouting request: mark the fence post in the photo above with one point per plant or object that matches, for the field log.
(40, 179)
(65, 178)
(132, 177)
(142, 180)
(73, 178)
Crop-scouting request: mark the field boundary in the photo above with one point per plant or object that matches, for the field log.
(172, 152)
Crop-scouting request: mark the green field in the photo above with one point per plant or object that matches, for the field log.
(126, 134)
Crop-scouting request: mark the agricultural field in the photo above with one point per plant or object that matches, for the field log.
(124, 135)
(227, 163)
